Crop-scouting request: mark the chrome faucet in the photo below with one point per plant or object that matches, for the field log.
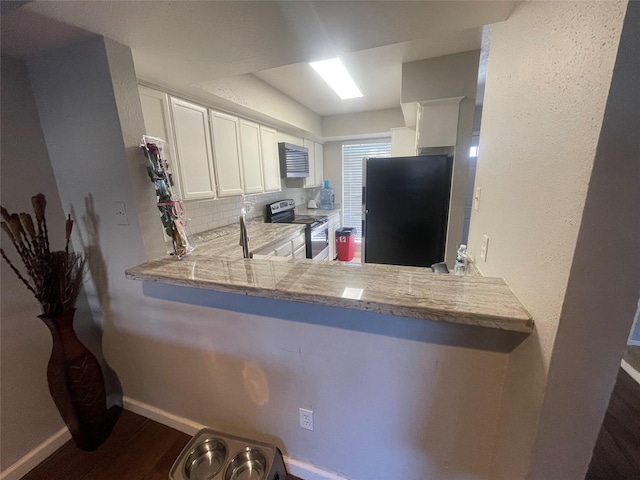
(244, 237)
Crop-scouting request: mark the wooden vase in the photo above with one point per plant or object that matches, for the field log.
(76, 384)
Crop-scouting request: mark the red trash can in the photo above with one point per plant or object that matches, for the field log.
(346, 243)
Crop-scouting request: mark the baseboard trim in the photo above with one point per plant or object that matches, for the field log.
(162, 416)
(633, 373)
(308, 471)
(304, 470)
(36, 456)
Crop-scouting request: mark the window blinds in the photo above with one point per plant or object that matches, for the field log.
(352, 160)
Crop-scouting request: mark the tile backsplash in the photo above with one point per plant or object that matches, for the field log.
(203, 215)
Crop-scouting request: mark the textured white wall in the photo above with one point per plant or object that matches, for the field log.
(91, 160)
(131, 123)
(415, 399)
(602, 296)
(549, 71)
(247, 93)
(28, 415)
(441, 77)
(362, 124)
(333, 167)
(245, 365)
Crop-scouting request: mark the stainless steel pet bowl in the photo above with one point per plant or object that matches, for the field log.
(212, 455)
(249, 464)
(205, 459)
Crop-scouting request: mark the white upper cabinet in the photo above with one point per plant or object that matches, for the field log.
(157, 123)
(310, 181)
(251, 156)
(225, 131)
(318, 159)
(155, 110)
(403, 142)
(216, 154)
(437, 123)
(288, 138)
(193, 149)
(270, 159)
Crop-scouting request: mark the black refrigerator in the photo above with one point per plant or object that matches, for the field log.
(405, 209)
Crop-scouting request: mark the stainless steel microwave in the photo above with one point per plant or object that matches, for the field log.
(294, 160)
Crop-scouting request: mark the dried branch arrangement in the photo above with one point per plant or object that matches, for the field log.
(55, 278)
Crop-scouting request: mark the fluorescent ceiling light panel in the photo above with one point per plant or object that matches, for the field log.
(333, 72)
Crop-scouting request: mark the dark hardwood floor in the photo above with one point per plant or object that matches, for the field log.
(138, 449)
(616, 455)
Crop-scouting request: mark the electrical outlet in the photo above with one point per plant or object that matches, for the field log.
(485, 247)
(306, 418)
(120, 213)
(476, 199)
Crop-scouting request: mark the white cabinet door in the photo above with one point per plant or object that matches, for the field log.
(332, 242)
(284, 250)
(226, 153)
(310, 181)
(437, 123)
(155, 110)
(270, 160)
(288, 138)
(301, 252)
(298, 241)
(318, 158)
(251, 157)
(157, 123)
(193, 149)
(264, 256)
(403, 142)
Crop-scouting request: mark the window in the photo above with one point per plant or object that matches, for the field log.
(352, 156)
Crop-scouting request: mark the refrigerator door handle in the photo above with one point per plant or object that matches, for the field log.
(363, 239)
(363, 232)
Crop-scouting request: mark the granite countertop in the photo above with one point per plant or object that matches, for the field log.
(302, 210)
(414, 292)
(225, 241)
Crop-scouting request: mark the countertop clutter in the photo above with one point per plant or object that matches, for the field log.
(414, 292)
(303, 210)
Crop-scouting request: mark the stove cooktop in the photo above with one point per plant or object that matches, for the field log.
(283, 212)
(308, 219)
(316, 232)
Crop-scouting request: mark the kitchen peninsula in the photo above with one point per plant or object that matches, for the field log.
(414, 292)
